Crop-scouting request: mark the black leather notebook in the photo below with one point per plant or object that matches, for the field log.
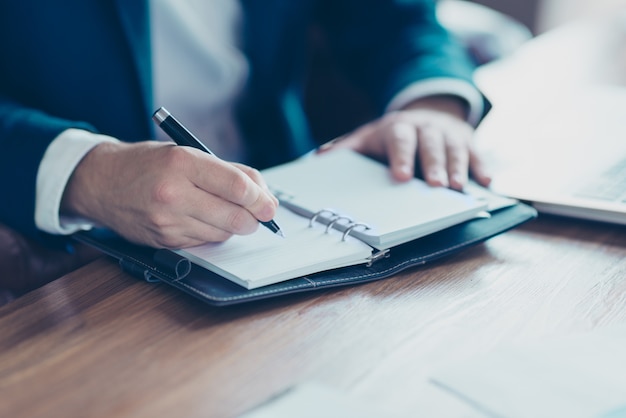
(160, 265)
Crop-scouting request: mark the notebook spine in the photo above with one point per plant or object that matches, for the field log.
(334, 220)
(331, 220)
(346, 225)
(328, 217)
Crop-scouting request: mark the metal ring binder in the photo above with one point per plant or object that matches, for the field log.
(351, 227)
(377, 256)
(318, 213)
(337, 219)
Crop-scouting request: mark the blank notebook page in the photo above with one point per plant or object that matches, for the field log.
(264, 257)
(363, 189)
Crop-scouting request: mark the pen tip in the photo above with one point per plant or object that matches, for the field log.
(281, 233)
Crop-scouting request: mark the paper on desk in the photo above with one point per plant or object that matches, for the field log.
(577, 376)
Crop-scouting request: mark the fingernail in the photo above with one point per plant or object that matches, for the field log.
(324, 147)
(402, 172)
(266, 213)
(328, 145)
(437, 178)
(458, 180)
(406, 170)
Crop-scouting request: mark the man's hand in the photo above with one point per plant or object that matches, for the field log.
(431, 131)
(164, 195)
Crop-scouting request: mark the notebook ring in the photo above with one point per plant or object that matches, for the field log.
(351, 227)
(337, 219)
(317, 214)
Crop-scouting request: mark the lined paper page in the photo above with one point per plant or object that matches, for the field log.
(264, 258)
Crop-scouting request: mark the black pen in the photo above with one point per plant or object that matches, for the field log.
(181, 135)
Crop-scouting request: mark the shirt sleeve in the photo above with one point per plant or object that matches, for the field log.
(439, 86)
(59, 161)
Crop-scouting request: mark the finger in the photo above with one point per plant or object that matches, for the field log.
(256, 177)
(177, 203)
(253, 173)
(220, 215)
(457, 155)
(432, 156)
(360, 140)
(478, 168)
(200, 233)
(401, 143)
(327, 146)
(174, 229)
(231, 184)
(189, 233)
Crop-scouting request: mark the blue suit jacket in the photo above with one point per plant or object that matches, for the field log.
(87, 64)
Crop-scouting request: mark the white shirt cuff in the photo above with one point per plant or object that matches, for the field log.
(438, 86)
(58, 163)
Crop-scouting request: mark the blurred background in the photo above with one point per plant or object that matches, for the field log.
(490, 29)
(542, 15)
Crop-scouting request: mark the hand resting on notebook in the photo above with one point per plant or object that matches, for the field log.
(432, 131)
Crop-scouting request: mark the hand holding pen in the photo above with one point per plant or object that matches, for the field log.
(182, 136)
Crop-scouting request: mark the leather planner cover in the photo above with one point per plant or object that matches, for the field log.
(160, 265)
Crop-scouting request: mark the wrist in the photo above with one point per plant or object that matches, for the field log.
(58, 164)
(450, 104)
(80, 197)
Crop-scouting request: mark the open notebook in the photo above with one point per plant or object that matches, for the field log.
(337, 209)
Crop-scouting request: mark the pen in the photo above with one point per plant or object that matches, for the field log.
(181, 135)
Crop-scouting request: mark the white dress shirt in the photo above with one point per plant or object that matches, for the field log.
(198, 72)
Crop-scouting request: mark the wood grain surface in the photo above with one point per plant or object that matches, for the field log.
(101, 343)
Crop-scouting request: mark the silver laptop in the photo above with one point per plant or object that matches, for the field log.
(565, 154)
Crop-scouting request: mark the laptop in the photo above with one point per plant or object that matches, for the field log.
(565, 154)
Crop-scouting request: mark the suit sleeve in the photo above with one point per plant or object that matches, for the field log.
(389, 44)
(24, 137)
(63, 68)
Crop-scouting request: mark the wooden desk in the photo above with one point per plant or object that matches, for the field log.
(100, 343)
